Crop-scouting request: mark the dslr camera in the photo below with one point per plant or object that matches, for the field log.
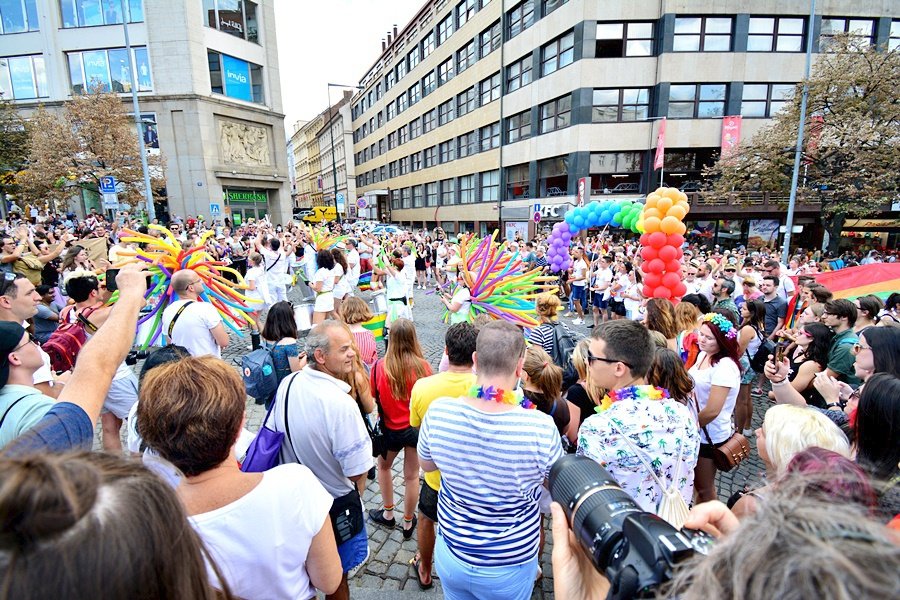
(635, 550)
(136, 355)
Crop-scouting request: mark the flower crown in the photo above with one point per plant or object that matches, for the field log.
(725, 326)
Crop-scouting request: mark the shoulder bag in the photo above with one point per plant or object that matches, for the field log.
(729, 453)
(263, 452)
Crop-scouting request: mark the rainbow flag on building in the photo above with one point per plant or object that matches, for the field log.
(376, 326)
(365, 281)
(879, 279)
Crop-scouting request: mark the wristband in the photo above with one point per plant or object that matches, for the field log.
(839, 405)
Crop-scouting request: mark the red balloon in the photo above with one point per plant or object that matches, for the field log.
(679, 290)
(647, 291)
(673, 266)
(645, 239)
(657, 240)
(671, 280)
(654, 266)
(662, 292)
(675, 239)
(652, 280)
(667, 253)
(648, 253)
(680, 253)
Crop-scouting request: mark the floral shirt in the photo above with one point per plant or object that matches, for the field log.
(661, 430)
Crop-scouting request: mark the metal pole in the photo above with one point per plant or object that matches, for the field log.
(148, 192)
(333, 164)
(785, 251)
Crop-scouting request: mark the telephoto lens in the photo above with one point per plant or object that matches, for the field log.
(635, 550)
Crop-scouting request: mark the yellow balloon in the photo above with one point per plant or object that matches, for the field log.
(672, 193)
(669, 225)
(682, 228)
(664, 204)
(651, 201)
(651, 224)
(653, 212)
(678, 211)
(682, 196)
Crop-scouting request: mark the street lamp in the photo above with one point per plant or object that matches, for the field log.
(148, 193)
(331, 132)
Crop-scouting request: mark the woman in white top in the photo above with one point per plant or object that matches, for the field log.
(257, 289)
(341, 286)
(717, 379)
(269, 533)
(323, 285)
(395, 290)
(461, 303)
(633, 297)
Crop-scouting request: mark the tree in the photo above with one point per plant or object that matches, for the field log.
(91, 138)
(851, 150)
(13, 146)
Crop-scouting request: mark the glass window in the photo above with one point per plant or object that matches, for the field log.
(87, 13)
(445, 112)
(517, 182)
(467, 189)
(775, 34)
(404, 165)
(393, 168)
(234, 17)
(418, 197)
(427, 45)
(765, 99)
(490, 186)
(447, 151)
(518, 127)
(520, 18)
(489, 39)
(428, 120)
(702, 34)
(430, 156)
(445, 71)
(615, 40)
(445, 29)
(489, 137)
(403, 135)
(448, 192)
(413, 58)
(405, 198)
(861, 29)
(894, 39)
(429, 82)
(391, 110)
(555, 114)
(402, 103)
(558, 53)
(107, 70)
(415, 128)
(465, 10)
(518, 74)
(19, 16)
(392, 140)
(465, 101)
(401, 69)
(612, 105)
(23, 77)
(697, 101)
(431, 194)
(466, 144)
(415, 93)
(395, 199)
(465, 57)
(490, 89)
(415, 162)
(390, 79)
(616, 162)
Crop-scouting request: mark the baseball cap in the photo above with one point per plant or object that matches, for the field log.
(10, 336)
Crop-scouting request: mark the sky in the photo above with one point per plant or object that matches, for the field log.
(330, 41)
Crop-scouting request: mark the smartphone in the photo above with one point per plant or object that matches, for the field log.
(779, 352)
(111, 284)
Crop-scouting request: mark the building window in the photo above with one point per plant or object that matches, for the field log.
(765, 99)
(431, 194)
(392, 140)
(413, 58)
(517, 182)
(390, 79)
(615, 40)
(405, 198)
(775, 34)
(234, 17)
(489, 39)
(518, 127)
(553, 176)
(894, 40)
(402, 103)
(465, 102)
(415, 162)
(489, 137)
(490, 186)
(447, 151)
(380, 117)
(445, 29)
(859, 29)
(445, 112)
(490, 89)
(19, 16)
(702, 34)
(465, 57)
(415, 128)
(465, 10)
(88, 13)
(518, 74)
(391, 110)
(556, 114)
(23, 77)
(548, 6)
(558, 53)
(381, 146)
(466, 144)
(418, 198)
(428, 120)
(520, 18)
(429, 82)
(395, 199)
(107, 70)
(401, 69)
(448, 192)
(392, 168)
(621, 105)
(467, 189)
(427, 45)
(404, 165)
(402, 135)
(700, 101)
(429, 156)
(445, 71)
(415, 93)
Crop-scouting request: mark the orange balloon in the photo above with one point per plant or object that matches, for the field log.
(651, 224)
(664, 204)
(682, 228)
(653, 212)
(678, 211)
(669, 225)
(672, 193)
(652, 199)
(682, 196)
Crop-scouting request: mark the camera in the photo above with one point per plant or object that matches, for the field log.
(136, 355)
(636, 550)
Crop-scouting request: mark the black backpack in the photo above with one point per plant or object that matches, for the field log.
(564, 343)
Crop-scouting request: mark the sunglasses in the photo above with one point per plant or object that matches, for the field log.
(858, 347)
(7, 282)
(30, 340)
(591, 358)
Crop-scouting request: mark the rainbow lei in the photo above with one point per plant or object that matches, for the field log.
(725, 326)
(500, 396)
(634, 392)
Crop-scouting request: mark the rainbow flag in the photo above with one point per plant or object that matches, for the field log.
(365, 281)
(879, 279)
(376, 326)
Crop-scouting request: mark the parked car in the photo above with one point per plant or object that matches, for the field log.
(626, 188)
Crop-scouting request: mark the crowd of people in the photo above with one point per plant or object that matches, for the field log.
(653, 394)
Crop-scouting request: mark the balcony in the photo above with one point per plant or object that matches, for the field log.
(709, 203)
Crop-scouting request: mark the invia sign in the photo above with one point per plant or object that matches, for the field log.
(237, 78)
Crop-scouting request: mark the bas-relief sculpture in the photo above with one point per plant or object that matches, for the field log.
(244, 144)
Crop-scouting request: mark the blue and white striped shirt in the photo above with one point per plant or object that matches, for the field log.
(492, 468)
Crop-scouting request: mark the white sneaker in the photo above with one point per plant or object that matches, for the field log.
(352, 572)
(568, 314)
(578, 322)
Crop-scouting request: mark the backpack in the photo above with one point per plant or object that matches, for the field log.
(766, 349)
(563, 346)
(66, 342)
(258, 373)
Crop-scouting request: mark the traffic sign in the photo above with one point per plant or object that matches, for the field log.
(536, 217)
(110, 201)
(107, 184)
(340, 198)
(215, 210)
(361, 203)
(537, 208)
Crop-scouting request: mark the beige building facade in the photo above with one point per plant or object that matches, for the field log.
(480, 113)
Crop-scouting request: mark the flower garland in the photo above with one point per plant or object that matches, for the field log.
(724, 325)
(500, 396)
(634, 392)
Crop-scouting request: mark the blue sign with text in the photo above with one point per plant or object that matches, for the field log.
(236, 73)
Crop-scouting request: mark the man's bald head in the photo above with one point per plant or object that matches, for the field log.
(181, 280)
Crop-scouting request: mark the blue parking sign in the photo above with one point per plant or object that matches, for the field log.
(107, 184)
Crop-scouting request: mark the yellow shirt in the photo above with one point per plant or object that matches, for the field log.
(427, 390)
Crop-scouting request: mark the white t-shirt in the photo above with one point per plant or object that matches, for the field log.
(261, 541)
(409, 268)
(464, 297)
(579, 271)
(785, 288)
(258, 274)
(603, 279)
(341, 288)
(192, 329)
(633, 306)
(326, 276)
(353, 264)
(724, 373)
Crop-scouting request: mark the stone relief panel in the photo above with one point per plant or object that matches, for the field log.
(244, 144)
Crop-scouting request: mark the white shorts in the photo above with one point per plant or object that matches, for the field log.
(122, 395)
(324, 303)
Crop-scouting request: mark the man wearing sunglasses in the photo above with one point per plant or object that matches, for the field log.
(21, 404)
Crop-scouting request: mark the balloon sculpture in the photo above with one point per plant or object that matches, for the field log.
(322, 239)
(663, 222)
(609, 213)
(165, 256)
(498, 283)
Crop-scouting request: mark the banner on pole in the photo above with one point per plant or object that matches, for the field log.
(660, 145)
(584, 191)
(731, 134)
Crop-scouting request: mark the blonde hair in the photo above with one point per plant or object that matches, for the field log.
(687, 317)
(543, 372)
(355, 310)
(790, 429)
(547, 306)
(580, 362)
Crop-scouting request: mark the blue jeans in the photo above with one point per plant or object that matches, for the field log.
(462, 581)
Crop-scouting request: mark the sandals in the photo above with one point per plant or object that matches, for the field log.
(422, 586)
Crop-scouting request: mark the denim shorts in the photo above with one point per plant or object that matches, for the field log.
(428, 499)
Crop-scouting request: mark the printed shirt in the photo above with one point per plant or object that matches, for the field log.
(662, 431)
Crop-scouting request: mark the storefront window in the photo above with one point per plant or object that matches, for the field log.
(23, 78)
(107, 70)
(234, 17)
(89, 13)
(235, 78)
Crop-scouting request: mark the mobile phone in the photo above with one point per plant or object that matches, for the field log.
(779, 352)
(111, 284)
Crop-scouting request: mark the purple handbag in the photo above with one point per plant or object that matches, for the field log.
(263, 452)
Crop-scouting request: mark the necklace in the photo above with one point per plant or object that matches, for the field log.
(633, 392)
(500, 396)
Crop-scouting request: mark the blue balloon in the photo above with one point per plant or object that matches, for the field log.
(605, 218)
(573, 230)
(570, 217)
(578, 221)
(616, 220)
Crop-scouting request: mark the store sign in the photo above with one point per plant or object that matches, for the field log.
(554, 211)
(244, 196)
(871, 223)
(236, 73)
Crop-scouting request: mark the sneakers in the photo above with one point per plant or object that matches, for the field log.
(568, 314)
(747, 433)
(352, 572)
(578, 322)
(376, 515)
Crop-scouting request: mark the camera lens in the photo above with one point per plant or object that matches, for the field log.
(594, 502)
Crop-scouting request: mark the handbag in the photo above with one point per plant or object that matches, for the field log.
(729, 453)
(759, 358)
(263, 452)
(376, 431)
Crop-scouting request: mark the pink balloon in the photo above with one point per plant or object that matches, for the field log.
(675, 239)
(662, 292)
(648, 253)
(668, 253)
(652, 280)
(655, 266)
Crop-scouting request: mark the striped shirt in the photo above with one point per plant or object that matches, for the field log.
(368, 350)
(492, 467)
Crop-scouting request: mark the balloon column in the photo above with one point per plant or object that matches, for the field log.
(609, 213)
(663, 223)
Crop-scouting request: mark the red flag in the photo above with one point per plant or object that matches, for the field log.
(816, 123)
(731, 134)
(660, 145)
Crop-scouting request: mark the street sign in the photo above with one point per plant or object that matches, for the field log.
(107, 184)
(361, 203)
(215, 210)
(537, 208)
(536, 217)
(340, 198)
(110, 201)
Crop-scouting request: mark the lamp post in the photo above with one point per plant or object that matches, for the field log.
(148, 193)
(331, 132)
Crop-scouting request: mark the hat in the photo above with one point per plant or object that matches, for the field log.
(342, 245)
(750, 281)
(10, 336)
